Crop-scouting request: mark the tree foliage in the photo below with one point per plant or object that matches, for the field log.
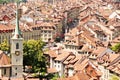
(113, 77)
(4, 46)
(4, 1)
(116, 48)
(53, 76)
(33, 56)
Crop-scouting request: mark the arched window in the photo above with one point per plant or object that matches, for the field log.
(17, 45)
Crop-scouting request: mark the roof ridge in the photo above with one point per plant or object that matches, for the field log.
(114, 61)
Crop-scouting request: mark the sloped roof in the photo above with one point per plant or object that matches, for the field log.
(52, 70)
(51, 53)
(81, 66)
(4, 60)
(99, 50)
(77, 76)
(64, 54)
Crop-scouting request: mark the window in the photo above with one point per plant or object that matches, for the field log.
(5, 71)
(45, 31)
(16, 60)
(16, 74)
(49, 35)
(17, 45)
(49, 31)
(45, 38)
(45, 35)
(58, 66)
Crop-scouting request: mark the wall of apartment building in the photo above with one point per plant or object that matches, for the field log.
(5, 36)
(5, 72)
(35, 34)
(72, 48)
(0, 72)
(59, 26)
(60, 67)
(105, 73)
(47, 34)
(99, 36)
(106, 30)
(51, 62)
(70, 72)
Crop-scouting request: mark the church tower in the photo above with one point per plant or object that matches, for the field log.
(17, 50)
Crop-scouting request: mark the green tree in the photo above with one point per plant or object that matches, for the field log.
(33, 56)
(116, 48)
(4, 1)
(114, 77)
(4, 46)
(53, 76)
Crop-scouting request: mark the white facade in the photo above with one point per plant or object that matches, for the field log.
(17, 57)
(59, 67)
(51, 62)
(105, 73)
(46, 34)
(72, 48)
(70, 72)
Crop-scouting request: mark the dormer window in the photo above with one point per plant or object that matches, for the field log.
(17, 45)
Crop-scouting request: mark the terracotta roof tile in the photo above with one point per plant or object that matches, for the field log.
(52, 70)
(51, 53)
(77, 76)
(81, 66)
(4, 60)
(113, 57)
(72, 37)
(69, 58)
(63, 55)
(99, 50)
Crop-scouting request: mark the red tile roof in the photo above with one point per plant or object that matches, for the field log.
(52, 70)
(51, 53)
(77, 76)
(81, 66)
(98, 50)
(63, 55)
(4, 60)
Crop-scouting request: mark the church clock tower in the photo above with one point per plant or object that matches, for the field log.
(17, 50)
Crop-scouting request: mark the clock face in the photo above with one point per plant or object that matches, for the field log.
(17, 53)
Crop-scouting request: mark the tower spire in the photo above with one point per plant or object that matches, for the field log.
(17, 33)
(17, 50)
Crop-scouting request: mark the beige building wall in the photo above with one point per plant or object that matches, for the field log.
(17, 57)
(35, 34)
(0, 72)
(5, 71)
(47, 34)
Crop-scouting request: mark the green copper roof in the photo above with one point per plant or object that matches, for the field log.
(17, 33)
